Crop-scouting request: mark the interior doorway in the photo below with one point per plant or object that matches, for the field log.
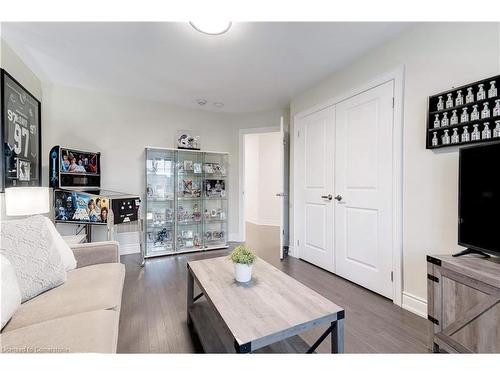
(262, 186)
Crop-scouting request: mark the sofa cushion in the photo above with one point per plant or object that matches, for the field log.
(29, 246)
(86, 289)
(90, 332)
(10, 294)
(67, 256)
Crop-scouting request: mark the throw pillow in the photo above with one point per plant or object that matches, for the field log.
(67, 256)
(28, 245)
(10, 294)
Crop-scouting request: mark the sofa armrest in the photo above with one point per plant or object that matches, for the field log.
(87, 254)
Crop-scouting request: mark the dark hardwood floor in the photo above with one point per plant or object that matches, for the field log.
(153, 314)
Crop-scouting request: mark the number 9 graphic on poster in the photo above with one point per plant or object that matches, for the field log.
(19, 133)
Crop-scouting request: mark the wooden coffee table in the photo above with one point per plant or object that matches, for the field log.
(264, 315)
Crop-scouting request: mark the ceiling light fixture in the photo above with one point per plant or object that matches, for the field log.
(201, 101)
(219, 104)
(211, 27)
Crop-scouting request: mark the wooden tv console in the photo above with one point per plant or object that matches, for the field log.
(463, 304)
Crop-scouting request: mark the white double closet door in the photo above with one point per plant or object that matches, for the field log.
(344, 218)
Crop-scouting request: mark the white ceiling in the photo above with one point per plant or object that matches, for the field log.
(255, 66)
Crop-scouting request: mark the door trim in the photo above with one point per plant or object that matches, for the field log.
(397, 75)
(241, 176)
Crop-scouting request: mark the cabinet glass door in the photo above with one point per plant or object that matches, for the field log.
(160, 199)
(189, 201)
(215, 200)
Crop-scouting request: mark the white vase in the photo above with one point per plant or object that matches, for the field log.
(242, 272)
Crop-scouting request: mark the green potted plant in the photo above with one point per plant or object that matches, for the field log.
(243, 259)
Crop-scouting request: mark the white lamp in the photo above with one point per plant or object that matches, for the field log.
(24, 201)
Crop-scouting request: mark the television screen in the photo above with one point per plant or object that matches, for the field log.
(479, 198)
(78, 161)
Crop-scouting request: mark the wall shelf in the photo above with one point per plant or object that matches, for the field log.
(440, 131)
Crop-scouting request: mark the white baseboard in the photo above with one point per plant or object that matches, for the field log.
(129, 242)
(291, 252)
(252, 221)
(130, 248)
(270, 223)
(234, 237)
(415, 304)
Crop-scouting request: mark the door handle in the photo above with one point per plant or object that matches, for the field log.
(338, 197)
(329, 197)
(282, 195)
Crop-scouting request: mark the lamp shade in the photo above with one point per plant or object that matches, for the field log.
(23, 201)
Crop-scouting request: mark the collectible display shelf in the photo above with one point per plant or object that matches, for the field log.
(435, 114)
(186, 201)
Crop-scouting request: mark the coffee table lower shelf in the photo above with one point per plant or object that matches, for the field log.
(214, 338)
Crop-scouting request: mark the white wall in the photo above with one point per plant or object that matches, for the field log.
(262, 178)
(11, 62)
(436, 57)
(120, 127)
(269, 178)
(251, 187)
(23, 74)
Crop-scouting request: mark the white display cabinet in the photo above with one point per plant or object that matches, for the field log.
(215, 198)
(186, 201)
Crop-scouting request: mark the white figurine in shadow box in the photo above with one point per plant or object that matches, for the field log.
(209, 168)
(215, 188)
(187, 140)
(216, 167)
(197, 168)
(23, 170)
(169, 215)
(197, 240)
(149, 191)
(188, 165)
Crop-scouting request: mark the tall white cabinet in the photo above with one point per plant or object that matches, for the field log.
(186, 201)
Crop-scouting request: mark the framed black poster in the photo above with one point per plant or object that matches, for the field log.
(21, 138)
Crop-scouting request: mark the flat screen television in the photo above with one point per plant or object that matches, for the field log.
(479, 199)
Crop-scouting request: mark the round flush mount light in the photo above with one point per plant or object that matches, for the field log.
(211, 27)
(201, 101)
(219, 104)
